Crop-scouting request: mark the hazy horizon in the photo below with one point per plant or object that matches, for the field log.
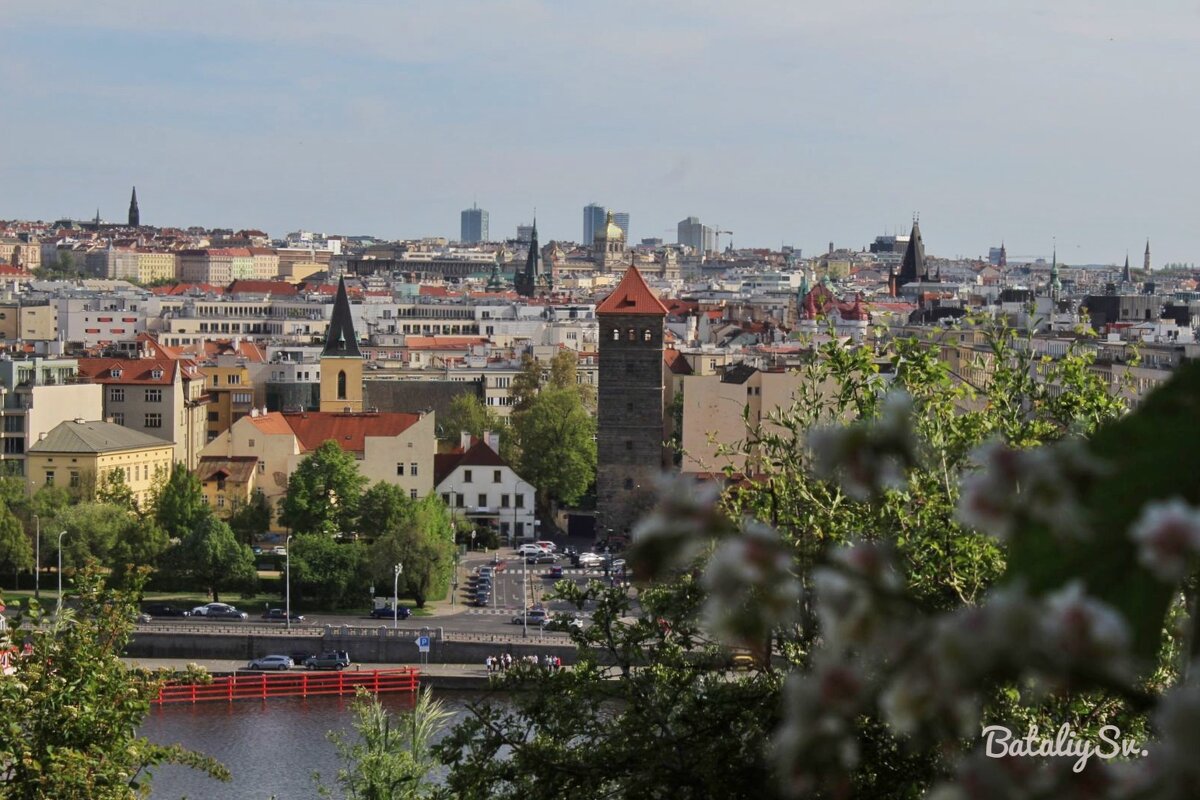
(783, 123)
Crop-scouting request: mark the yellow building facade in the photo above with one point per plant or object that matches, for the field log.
(79, 455)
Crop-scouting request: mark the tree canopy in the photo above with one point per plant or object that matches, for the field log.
(210, 557)
(467, 413)
(323, 492)
(558, 446)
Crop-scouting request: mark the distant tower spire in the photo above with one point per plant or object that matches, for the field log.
(1003, 255)
(135, 218)
(1146, 258)
(1126, 275)
(1055, 283)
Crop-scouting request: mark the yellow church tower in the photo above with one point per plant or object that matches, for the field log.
(341, 360)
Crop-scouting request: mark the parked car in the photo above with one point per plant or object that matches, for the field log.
(279, 550)
(385, 612)
(143, 618)
(590, 560)
(482, 600)
(219, 611)
(256, 550)
(165, 610)
(485, 572)
(330, 659)
(534, 616)
(280, 615)
(528, 549)
(549, 547)
(563, 622)
(271, 662)
(541, 558)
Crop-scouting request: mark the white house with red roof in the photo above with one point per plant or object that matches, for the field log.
(394, 448)
(475, 482)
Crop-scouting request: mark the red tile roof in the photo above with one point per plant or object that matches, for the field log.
(136, 370)
(350, 431)
(262, 287)
(479, 455)
(676, 362)
(632, 296)
(443, 342)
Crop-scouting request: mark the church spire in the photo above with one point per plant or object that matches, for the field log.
(1055, 283)
(135, 217)
(912, 268)
(340, 339)
(1146, 260)
(526, 282)
(1126, 275)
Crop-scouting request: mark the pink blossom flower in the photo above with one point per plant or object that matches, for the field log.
(1167, 535)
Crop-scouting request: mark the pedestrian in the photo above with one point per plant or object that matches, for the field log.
(487, 664)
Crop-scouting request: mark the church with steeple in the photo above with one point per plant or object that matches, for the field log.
(341, 359)
(533, 279)
(135, 216)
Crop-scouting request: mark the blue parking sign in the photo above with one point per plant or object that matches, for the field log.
(423, 644)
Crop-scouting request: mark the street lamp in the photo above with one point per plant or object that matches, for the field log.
(37, 558)
(396, 570)
(472, 538)
(58, 610)
(287, 580)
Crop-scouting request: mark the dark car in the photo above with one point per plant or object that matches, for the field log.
(165, 610)
(280, 615)
(385, 612)
(554, 572)
(542, 558)
(330, 659)
(481, 599)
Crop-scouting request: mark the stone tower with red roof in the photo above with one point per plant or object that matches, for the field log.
(630, 402)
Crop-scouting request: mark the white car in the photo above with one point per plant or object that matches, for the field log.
(549, 547)
(527, 550)
(588, 560)
(219, 611)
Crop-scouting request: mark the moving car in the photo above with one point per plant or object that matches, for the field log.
(549, 547)
(541, 558)
(530, 550)
(589, 560)
(219, 611)
(280, 615)
(279, 550)
(271, 662)
(534, 616)
(555, 572)
(330, 659)
(385, 612)
(563, 622)
(165, 610)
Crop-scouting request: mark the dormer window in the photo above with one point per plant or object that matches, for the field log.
(115, 372)
(156, 373)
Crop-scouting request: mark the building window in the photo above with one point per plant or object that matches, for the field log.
(446, 498)
(74, 479)
(154, 395)
(220, 501)
(460, 501)
(234, 380)
(520, 499)
(482, 500)
(116, 395)
(118, 418)
(262, 467)
(495, 476)
(243, 398)
(629, 444)
(646, 335)
(213, 416)
(412, 493)
(520, 529)
(153, 421)
(504, 501)
(631, 335)
(466, 476)
(412, 469)
(341, 385)
(49, 477)
(250, 443)
(628, 483)
(616, 334)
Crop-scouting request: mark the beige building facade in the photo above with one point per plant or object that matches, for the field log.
(78, 455)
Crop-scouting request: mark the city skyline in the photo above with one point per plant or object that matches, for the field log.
(1014, 124)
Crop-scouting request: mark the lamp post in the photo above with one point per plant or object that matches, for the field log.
(472, 538)
(58, 610)
(37, 558)
(454, 585)
(525, 597)
(287, 581)
(396, 570)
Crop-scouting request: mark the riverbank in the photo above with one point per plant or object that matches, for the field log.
(458, 677)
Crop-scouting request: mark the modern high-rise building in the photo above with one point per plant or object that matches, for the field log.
(622, 220)
(525, 233)
(691, 233)
(593, 220)
(474, 228)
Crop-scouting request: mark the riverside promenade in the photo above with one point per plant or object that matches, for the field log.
(437, 676)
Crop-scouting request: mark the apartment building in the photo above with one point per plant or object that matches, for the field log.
(78, 454)
(37, 394)
(162, 397)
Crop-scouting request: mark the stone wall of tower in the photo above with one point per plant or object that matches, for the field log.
(332, 368)
(630, 429)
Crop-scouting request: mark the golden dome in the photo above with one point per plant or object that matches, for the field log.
(611, 229)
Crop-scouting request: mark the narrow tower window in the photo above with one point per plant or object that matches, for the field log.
(341, 387)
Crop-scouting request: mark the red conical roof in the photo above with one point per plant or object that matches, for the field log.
(632, 296)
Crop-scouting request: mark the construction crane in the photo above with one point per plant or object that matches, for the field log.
(718, 233)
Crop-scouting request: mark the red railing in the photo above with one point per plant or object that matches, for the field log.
(263, 686)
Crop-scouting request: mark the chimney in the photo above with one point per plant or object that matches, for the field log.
(493, 440)
(464, 440)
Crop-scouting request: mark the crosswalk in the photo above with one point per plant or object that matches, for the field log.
(512, 612)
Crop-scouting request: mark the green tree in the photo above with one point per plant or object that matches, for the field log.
(526, 383)
(92, 531)
(72, 709)
(558, 448)
(114, 490)
(16, 553)
(179, 503)
(139, 545)
(392, 758)
(423, 542)
(210, 557)
(383, 508)
(323, 492)
(328, 572)
(466, 413)
(252, 518)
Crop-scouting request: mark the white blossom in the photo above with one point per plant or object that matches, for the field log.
(750, 583)
(1167, 535)
(1081, 630)
(870, 456)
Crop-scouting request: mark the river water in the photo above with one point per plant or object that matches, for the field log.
(272, 748)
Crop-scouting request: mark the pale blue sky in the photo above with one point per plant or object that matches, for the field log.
(785, 121)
